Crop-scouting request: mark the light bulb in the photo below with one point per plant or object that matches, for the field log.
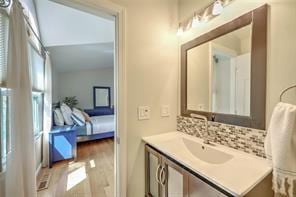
(205, 19)
(180, 31)
(195, 21)
(217, 8)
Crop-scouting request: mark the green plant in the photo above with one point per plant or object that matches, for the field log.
(71, 101)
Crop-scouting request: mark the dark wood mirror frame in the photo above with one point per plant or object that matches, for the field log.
(258, 18)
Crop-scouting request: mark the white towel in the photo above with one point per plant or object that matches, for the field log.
(280, 148)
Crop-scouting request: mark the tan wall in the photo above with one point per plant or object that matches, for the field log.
(245, 46)
(198, 81)
(152, 73)
(229, 41)
(186, 8)
(281, 66)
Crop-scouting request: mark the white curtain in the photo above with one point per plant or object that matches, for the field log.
(47, 122)
(20, 178)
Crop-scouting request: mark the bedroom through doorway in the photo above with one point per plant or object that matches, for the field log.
(81, 142)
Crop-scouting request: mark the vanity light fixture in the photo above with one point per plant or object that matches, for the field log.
(195, 21)
(180, 30)
(203, 15)
(217, 8)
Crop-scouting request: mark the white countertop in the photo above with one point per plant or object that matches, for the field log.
(237, 176)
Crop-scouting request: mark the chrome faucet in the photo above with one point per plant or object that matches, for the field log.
(205, 135)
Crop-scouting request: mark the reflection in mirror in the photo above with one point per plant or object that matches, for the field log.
(219, 74)
(101, 97)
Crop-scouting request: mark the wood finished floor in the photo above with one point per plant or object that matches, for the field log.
(92, 175)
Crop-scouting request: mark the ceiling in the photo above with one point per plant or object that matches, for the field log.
(76, 40)
(82, 57)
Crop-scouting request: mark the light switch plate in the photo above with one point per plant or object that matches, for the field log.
(165, 111)
(144, 112)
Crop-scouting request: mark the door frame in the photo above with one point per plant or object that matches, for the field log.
(99, 7)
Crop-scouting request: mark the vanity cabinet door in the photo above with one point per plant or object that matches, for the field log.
(153, 165)
(174, 179)
(198, 188)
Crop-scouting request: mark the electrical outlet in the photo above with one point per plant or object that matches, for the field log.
(144, 112)
(165, 111)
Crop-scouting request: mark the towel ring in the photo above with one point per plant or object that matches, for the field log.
(285, 90)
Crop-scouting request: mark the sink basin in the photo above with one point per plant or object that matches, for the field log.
(206, 153)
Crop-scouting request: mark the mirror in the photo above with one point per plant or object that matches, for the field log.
(102, 97)
(219, 74)
(223, 72)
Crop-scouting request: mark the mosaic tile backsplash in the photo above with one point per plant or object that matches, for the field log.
(240, 138)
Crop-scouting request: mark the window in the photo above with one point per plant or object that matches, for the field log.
(37, 103)
(4, 101)
(37, 76)
(3, 47)
(37, 68)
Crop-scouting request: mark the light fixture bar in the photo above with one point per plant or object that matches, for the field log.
(195, 21)
(203, 15)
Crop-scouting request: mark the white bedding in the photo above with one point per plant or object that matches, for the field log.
(100, 124)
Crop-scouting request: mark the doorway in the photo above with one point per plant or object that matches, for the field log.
(104, 9)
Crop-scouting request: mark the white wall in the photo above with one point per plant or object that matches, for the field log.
(281, 67)
(38, 151)
(30, 5)
(55, 85)
(81, 83)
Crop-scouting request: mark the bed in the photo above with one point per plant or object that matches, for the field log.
(101, 125)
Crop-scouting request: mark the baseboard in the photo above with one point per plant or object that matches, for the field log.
(38, 170)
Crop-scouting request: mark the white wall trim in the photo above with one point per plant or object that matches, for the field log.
(97, 8)
(38, 170)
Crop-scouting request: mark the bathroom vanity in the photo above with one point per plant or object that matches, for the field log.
(180, 165)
